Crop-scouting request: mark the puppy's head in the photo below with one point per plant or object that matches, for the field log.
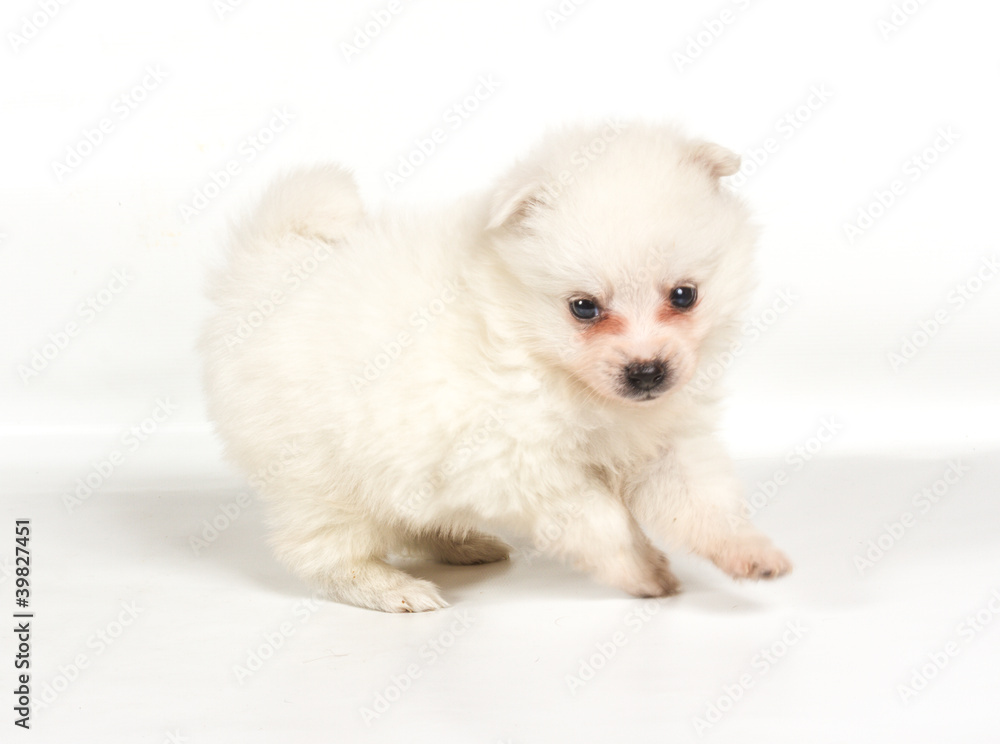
(631, 260)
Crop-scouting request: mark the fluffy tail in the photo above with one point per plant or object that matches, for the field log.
(321, 202)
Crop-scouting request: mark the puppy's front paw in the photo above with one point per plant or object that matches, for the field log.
(752, 558)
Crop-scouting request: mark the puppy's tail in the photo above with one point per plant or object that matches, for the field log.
(314, 202)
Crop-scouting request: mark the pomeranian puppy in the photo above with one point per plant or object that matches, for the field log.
(519, 361)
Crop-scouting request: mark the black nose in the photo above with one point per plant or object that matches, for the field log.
(645, 376)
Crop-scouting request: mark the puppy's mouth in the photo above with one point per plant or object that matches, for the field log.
(645, 380)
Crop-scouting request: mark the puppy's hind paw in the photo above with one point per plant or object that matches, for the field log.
(375, 585)
(475, 549)
(413, 595)
(655, 580)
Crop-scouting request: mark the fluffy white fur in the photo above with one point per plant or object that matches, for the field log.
(403, 384)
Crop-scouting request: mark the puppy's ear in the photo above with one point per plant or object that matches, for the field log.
(716, 159)
(512, 204)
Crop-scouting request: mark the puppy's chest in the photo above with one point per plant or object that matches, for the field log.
(514, 442)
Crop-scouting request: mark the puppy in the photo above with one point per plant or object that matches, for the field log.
(522, 361)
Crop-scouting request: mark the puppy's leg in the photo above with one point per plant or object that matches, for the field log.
(463, 550)
(596, 533)
(343, 554)
(690, 497)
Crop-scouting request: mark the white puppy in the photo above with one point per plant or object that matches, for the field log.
(522, 360)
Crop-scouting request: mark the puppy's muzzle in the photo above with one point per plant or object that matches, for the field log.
(645, 379)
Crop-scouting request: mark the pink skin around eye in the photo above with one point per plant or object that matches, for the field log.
(667, 313)
(607, 324)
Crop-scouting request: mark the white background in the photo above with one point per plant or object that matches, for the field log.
(823, 364)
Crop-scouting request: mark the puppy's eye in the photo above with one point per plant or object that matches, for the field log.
(683, 297)
(584, 309)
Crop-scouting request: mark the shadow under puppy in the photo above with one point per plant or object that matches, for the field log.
(520, 360)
